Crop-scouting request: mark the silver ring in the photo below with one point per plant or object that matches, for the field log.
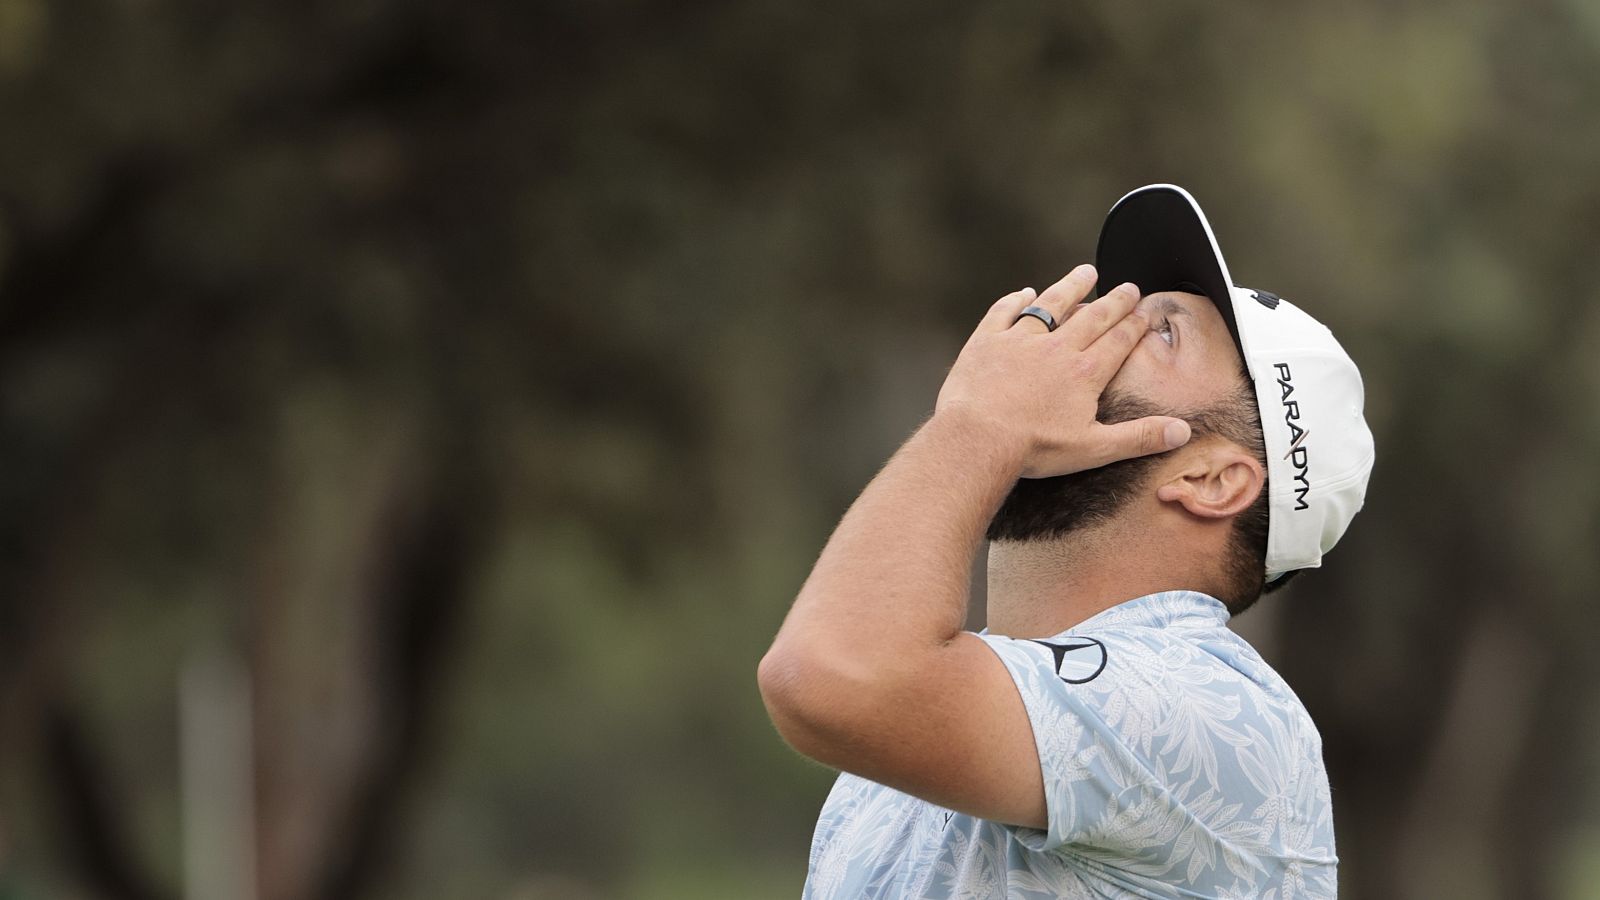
(1039, 313)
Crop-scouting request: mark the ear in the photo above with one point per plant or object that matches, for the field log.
(1217, 480)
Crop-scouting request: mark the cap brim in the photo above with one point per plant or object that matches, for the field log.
(1157, 238)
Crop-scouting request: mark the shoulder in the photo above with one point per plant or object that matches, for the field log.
(1162, 732)
(1154, 663)
(1180, 687)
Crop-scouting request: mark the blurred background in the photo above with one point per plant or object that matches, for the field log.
(415, 417)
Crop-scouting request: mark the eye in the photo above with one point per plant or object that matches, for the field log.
(1164, 329)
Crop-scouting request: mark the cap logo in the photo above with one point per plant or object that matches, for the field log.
(1267, 299)
(1299, 454)
(1296, 445)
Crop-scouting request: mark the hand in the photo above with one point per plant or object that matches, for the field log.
(1037, 391)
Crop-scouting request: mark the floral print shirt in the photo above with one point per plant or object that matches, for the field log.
(1176, 763)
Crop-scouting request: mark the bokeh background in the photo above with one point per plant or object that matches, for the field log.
(415, 417)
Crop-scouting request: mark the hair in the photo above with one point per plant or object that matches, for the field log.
(1049, 508)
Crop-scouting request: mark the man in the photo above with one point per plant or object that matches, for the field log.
(1144, 468)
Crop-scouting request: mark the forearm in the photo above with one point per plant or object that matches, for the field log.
(870, 672)
(894, 579)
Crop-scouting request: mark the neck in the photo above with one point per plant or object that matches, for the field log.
(1041, 588)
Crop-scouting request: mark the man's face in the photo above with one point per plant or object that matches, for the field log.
(1186, 362)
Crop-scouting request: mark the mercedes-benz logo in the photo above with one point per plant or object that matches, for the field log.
(1078, 659)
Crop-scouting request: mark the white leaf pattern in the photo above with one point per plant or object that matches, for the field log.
(1187, 768)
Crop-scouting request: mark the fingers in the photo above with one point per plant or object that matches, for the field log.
(1140, 437)
(1004, 312)
(1099, 317)
(1064, 301)
(1060, 298)
(1114, 346)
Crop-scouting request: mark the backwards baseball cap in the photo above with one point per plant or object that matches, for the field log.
(1308, 390)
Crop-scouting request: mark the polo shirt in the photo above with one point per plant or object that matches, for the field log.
(1176, 763)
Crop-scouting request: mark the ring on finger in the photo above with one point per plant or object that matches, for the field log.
(1039, 313)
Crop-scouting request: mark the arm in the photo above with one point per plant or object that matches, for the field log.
(871, 672)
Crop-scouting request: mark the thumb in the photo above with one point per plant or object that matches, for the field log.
(1142, 437)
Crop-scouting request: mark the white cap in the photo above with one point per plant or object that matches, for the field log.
(1319, 449)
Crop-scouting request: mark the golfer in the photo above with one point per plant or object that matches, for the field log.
(1144, 466)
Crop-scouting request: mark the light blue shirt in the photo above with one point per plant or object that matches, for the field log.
(1176, 763)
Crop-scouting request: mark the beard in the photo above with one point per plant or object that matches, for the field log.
(1041, 509)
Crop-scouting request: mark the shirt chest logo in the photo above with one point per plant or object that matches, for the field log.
(1078, 659)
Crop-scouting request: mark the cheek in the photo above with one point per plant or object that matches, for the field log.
(1135, 376)
(1149, 364)
(1159, 373)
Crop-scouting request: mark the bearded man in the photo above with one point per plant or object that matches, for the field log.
(1144, 466)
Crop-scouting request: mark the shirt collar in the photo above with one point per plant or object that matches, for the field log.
(1164, 610)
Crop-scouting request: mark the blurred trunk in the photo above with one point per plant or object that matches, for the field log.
(347, 695)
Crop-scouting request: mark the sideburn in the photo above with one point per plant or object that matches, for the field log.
(1042, 509)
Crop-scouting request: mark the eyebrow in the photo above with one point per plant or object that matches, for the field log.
(1170, 307)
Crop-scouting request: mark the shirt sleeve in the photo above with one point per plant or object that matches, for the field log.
(1098, 713)
(1174, 761)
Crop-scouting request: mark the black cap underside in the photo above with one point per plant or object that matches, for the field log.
(1156, 239)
